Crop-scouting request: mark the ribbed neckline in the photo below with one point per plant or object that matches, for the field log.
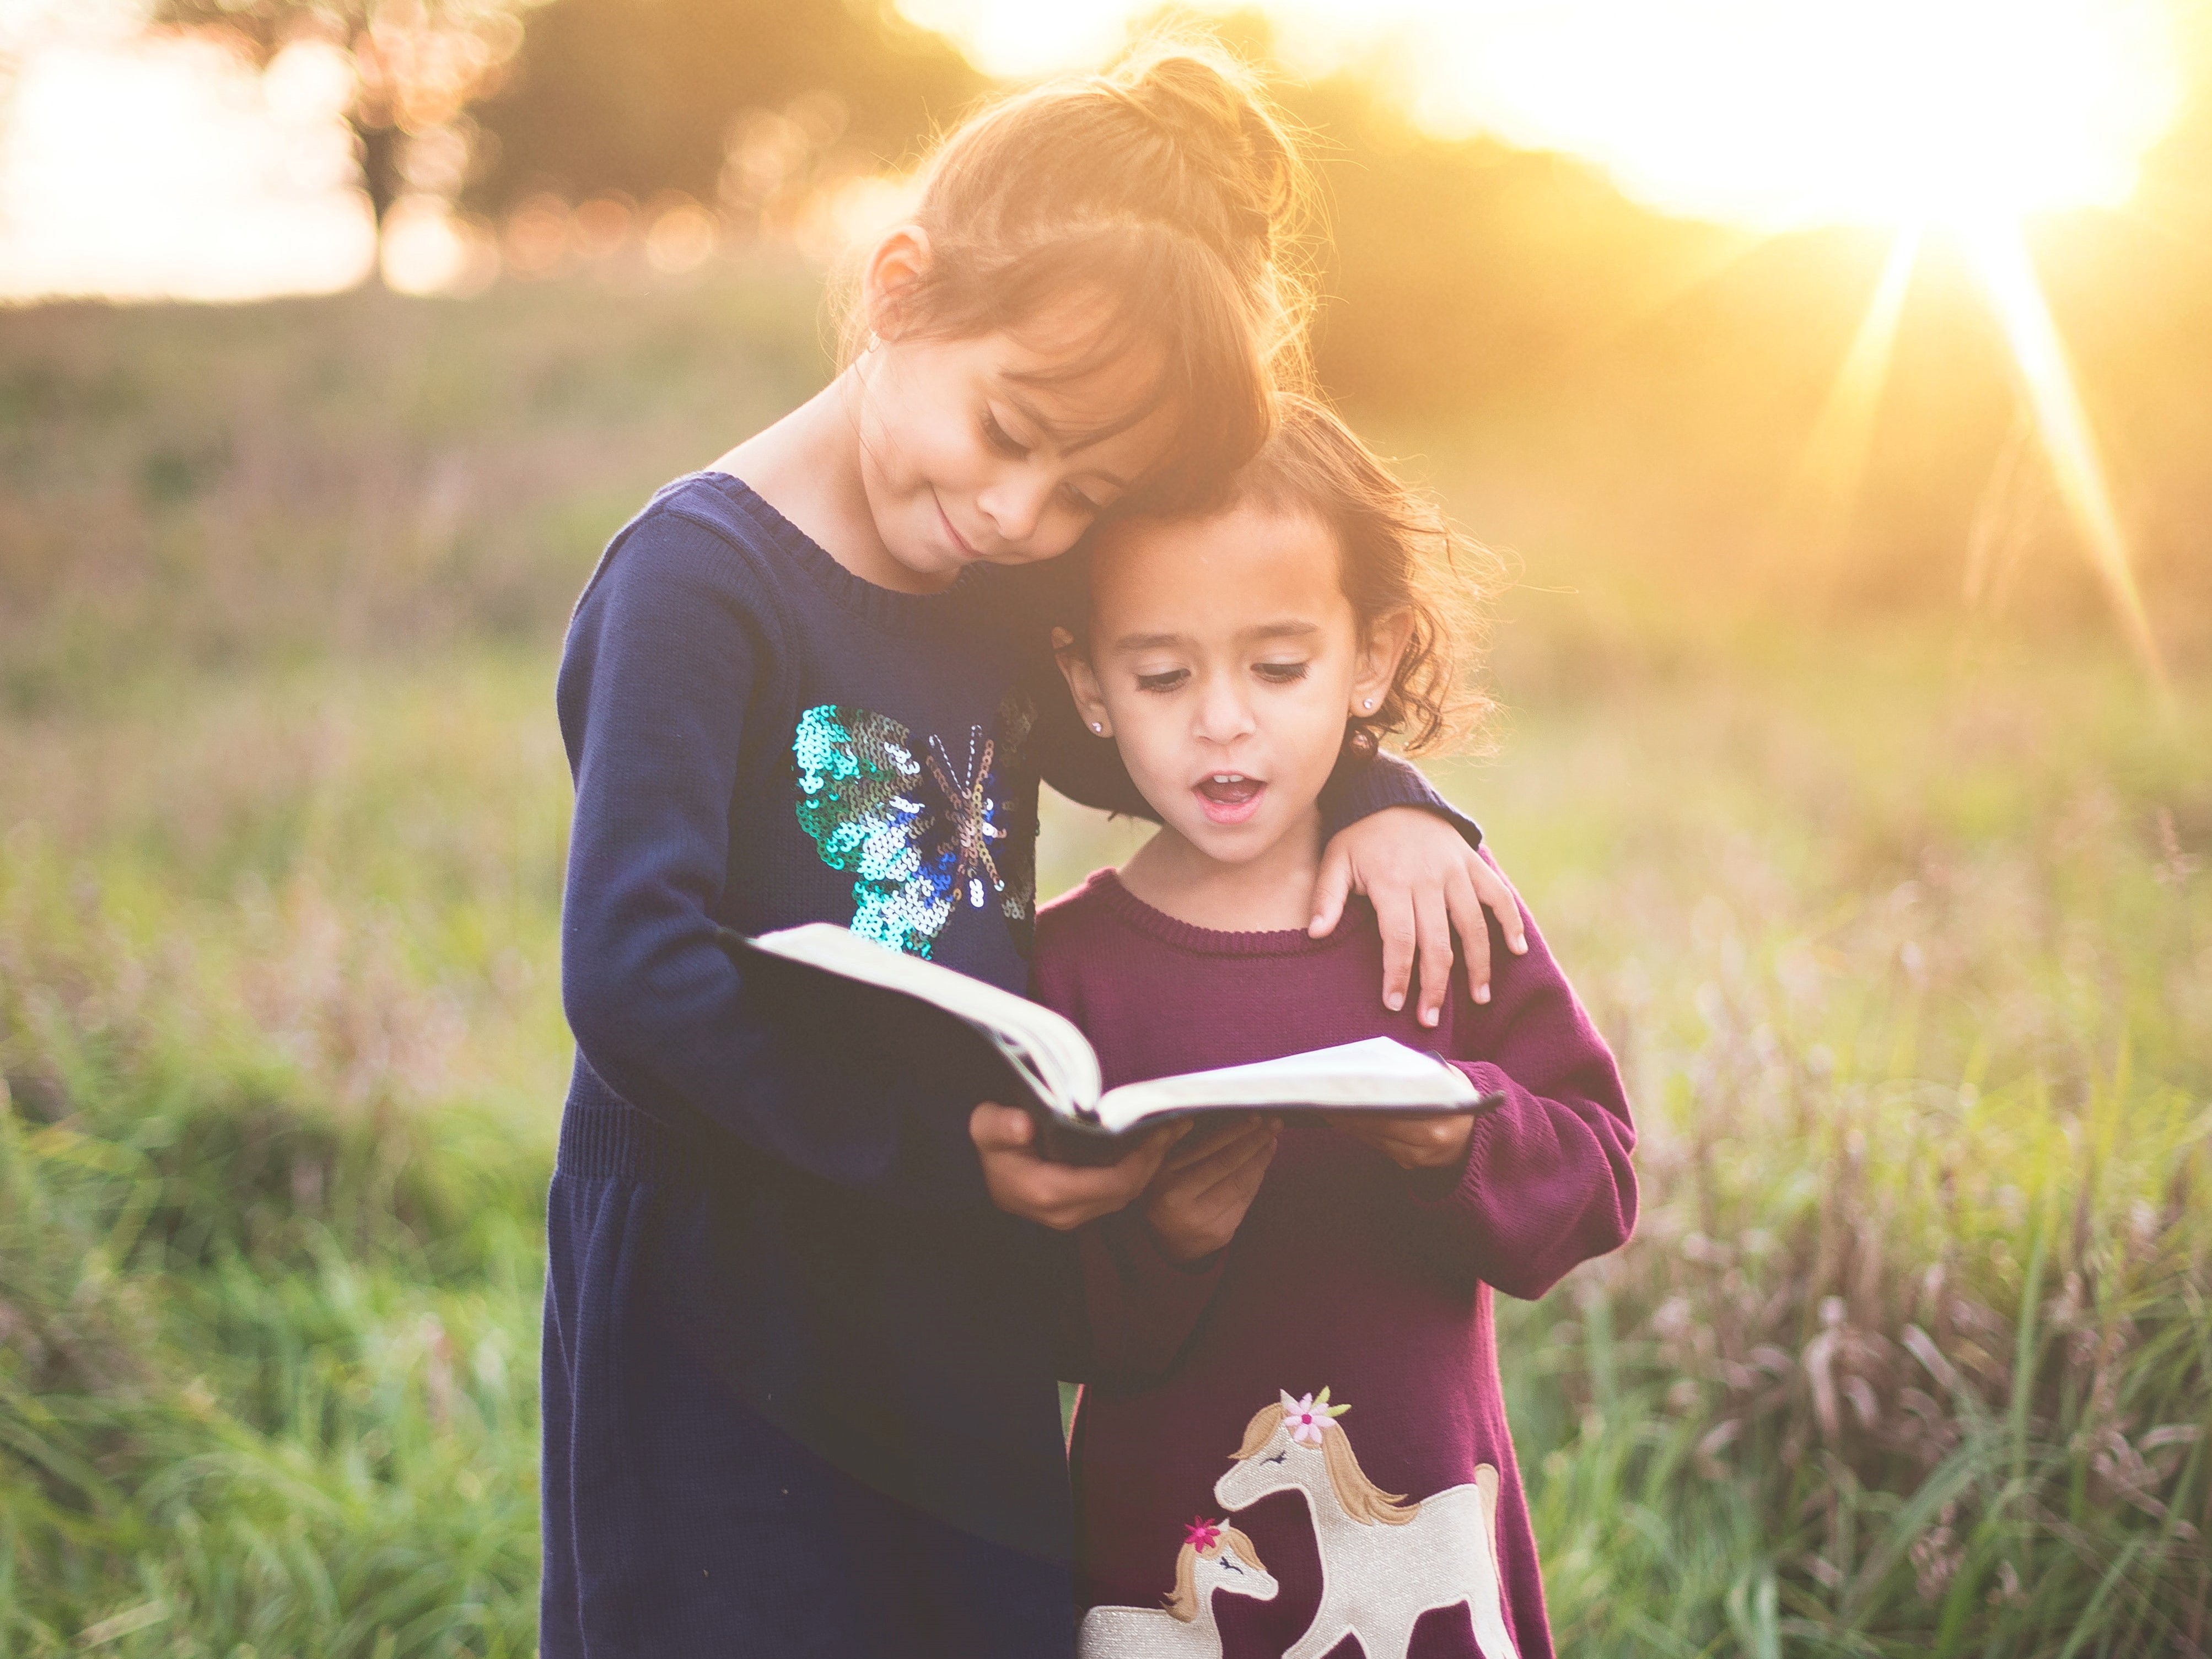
(1107, 887)
(886, 607)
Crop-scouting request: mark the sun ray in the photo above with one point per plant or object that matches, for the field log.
(1999, 256)
(1835, 455)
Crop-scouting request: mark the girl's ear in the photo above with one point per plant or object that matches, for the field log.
(1383, 645)
(1082, 682)
(900, 261)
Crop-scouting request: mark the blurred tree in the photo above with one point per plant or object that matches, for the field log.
(637, 96)
(418, 66)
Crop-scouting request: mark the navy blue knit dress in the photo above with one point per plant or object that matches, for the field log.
(799, 1372)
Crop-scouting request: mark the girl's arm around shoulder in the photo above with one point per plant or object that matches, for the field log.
(1547, 1183)
(675, 647)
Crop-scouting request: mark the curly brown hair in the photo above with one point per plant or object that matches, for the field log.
(1398, 552)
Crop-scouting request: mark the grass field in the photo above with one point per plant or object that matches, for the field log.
(1907, 949)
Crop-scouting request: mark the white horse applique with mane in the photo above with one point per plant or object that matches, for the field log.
(1213, 1557)
(1383, 1562)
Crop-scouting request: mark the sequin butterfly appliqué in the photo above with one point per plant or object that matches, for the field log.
(923, 825)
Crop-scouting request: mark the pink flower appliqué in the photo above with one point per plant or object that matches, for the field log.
(1201, 1534)
(1306, 1418)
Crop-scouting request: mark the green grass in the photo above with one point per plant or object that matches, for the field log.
(1907, 953)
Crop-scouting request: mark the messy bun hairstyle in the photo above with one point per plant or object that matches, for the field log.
(1173, 190)
(1397, 552)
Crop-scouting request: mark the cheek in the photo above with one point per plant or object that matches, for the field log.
(1147, 731)
(1319, 705)
(918, 434)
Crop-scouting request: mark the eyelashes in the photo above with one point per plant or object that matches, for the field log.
(1270, 673)
(1001, 440)
(1005, 443)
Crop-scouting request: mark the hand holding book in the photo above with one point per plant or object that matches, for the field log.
(1045, 1067)
(1023, 1182)
(1207, 1181)
(1426, 1142)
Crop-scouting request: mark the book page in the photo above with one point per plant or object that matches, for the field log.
(1378, 1074)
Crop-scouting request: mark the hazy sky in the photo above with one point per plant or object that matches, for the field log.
(140, 168)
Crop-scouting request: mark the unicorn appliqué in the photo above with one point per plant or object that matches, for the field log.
(1384, 1562)
(1214, 1557)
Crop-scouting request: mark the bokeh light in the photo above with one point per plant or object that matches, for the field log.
(167, 168)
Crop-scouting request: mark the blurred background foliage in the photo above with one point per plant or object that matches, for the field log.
(1867, 842)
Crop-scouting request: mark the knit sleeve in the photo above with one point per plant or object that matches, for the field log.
(1369, 781)
(1547, 1183)
(674, 641)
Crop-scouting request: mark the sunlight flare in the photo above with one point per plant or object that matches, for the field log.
(1999, 257)
(1835, 456)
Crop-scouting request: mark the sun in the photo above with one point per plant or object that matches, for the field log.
(1780, 112)
(1939, 118)
(1952, 119)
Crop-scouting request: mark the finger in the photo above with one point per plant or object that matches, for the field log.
(1089, 1183)
(1466, 920)
(1202, 1142)
(1136, 1170)
(1241, 1178)
(1498, 894)
(1227, 1157)
(1331, 888)
(994, 1127)
(1394, 919)
(1432, 931)
(1193, 1180)
(1065, 1202)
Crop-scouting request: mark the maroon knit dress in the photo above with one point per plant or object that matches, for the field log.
(1348, 1274)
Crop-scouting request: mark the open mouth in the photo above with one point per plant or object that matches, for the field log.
(1230, 797)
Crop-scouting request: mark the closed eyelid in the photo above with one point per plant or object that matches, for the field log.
(1053, 438)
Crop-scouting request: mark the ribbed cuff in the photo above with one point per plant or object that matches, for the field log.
(1366, 783)
(615, 1141)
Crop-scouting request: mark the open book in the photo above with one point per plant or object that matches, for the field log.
(1043, 1062)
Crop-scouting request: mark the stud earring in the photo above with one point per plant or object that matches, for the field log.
(1098, 727)
(1370, 703)
(873, 341)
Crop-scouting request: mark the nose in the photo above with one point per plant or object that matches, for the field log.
(1224, 712)
(1015, 502)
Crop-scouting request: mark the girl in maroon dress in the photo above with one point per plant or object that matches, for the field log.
(1322, 1373)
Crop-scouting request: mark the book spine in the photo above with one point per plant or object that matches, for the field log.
(1063, 1142)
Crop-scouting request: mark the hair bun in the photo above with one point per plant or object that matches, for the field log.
(1214, 112)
